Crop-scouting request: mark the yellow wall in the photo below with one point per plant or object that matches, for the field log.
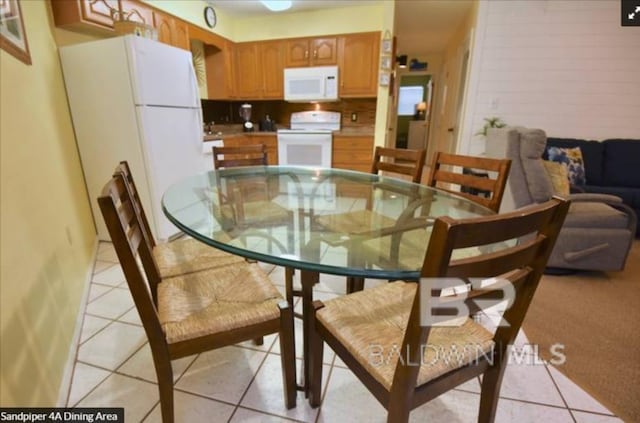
(46, 231)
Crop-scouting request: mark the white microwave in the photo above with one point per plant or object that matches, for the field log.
(311, 84)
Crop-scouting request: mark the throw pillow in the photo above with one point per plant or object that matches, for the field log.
(571, 159)
(559, 178)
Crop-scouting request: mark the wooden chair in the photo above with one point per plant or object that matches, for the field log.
(178, 257)
(370, 329)
(196, 312)
(394, 161)
(248, 155)
(241, 214)
(473, 185)
(399, 161)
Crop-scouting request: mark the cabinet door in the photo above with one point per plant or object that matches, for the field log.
(359, 64)
(272, 67)
(180, 35)
(296, 53)
(352, 152)
(219, 65)
(163, 24)
(136, 12)
(248, 80)
(324, 51)
(98, 11)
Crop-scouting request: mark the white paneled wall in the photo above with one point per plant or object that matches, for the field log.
(565, 66)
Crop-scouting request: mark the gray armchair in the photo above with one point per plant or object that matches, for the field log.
(599, 229)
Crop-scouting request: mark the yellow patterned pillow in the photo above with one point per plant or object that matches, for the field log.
(559, 177)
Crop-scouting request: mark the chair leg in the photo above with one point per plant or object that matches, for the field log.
(354, 284)
(288, 283)
(259, 341)
(287, 354)
(164, 373)
(490, 393)
(316, 350)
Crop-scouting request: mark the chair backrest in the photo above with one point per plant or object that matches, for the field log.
(124, 169)
(399, 160)
(123, 224)
(516, 269)
(247, 155)
(475, 181)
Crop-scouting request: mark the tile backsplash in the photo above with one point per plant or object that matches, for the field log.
(226, 112)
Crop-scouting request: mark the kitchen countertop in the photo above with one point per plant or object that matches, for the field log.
(230, 131)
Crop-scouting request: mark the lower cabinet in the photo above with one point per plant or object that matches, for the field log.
(352, 152)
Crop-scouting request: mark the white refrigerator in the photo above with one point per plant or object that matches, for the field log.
(134, 99)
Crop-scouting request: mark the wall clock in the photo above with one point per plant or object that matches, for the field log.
(210, 16)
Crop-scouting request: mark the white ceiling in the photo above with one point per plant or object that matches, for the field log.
(255, 7)
(426, 26)
(421, 26)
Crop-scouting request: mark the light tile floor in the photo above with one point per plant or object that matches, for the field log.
(243, 383)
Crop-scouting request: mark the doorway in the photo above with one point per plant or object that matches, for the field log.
(412, 111)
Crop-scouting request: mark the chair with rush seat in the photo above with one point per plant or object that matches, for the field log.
(371, 329)
(387, 161)
(195, 312)
(474, 185)
(178, 257)
(239, 214)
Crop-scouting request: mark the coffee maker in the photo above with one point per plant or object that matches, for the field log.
(245, 114)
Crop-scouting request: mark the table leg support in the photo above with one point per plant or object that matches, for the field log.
(308, 279)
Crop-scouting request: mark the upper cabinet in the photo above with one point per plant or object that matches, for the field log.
(359, 63)
(301, 52)
(171, 30)
(259, 70)
(91, 15)
(271, 60)
(136, 12)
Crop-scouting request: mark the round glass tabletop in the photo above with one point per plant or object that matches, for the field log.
(326, 220)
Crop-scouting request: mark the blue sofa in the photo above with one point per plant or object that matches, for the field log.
(611, 167)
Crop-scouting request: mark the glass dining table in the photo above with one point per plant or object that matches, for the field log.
(315, 220)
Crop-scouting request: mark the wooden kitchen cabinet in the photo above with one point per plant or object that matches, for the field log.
(352, 152)
(219, 69)
(85, 15)
(302, 52)
(136, 12)
(171, 30)
(271, 64)
(258, 70)
(247, 75)
(359, 64)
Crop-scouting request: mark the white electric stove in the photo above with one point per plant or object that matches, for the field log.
(309, 141)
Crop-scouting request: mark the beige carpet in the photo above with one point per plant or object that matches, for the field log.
(596, 316)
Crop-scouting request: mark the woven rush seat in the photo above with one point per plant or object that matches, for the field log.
(257, 211)
(371, 325)
(215, 301)
(356, 222)
(188, 255)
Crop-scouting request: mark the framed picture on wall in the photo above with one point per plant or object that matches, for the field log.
(13, 38)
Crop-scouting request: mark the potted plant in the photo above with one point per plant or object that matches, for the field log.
(491, 122)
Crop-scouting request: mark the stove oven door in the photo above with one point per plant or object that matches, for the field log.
(304, 148)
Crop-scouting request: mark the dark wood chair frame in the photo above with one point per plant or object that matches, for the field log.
(400, 161)
(472, 181)
(521, 266)
(127, 235)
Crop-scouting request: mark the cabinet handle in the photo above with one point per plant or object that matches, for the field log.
(306, 54)
(315, 54)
